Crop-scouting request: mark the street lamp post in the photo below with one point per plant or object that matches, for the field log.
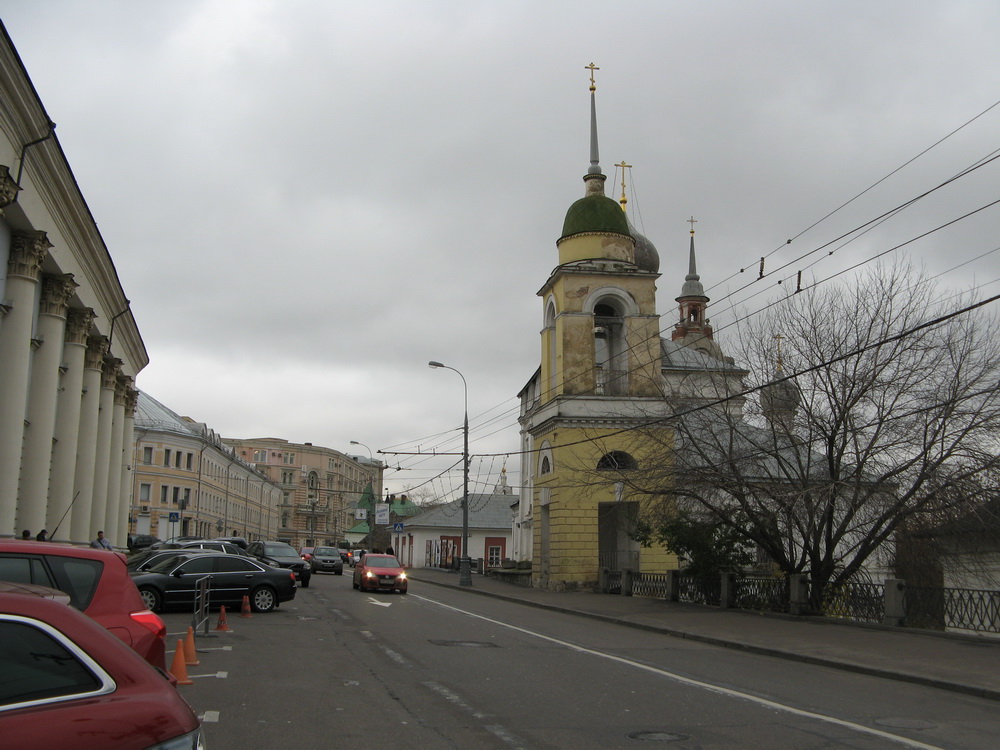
(464, 562)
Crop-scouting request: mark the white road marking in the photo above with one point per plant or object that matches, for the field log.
(696, 683)
(373, 600)
(209, 717)
(219, 675)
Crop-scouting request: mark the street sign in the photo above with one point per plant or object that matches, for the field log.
(382, 513)
(397, 528)
(174, 517)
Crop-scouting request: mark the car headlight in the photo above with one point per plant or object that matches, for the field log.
(369, 574)
(401, 576)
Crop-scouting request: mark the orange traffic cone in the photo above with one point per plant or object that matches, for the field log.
(178, 669)
(190, 655)
(222, 624)
(245, 612)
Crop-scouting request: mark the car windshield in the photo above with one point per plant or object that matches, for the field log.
(280, 548)
(381, 561)
(325, 551)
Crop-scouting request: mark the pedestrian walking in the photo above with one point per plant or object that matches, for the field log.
(100, 542)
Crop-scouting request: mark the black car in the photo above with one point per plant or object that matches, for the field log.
(174, 581)
(282, 555)
(141, 561)
(327, 560)
(141, 542)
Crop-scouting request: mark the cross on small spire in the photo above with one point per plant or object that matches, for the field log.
(591, 68)
(623, 200)
(692, 221)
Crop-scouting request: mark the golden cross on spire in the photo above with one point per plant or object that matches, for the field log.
(623, 200)
(591, 68)
(692, 221)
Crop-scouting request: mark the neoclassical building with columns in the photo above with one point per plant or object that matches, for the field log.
(69, 346)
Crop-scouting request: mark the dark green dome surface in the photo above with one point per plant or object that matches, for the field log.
(595, 213)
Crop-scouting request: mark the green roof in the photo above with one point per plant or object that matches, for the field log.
(595, 213)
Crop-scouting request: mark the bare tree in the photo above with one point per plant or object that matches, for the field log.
(870, 420)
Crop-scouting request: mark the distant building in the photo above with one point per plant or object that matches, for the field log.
(319, 487)
(433, 539)
(69, 346)
(188, 482)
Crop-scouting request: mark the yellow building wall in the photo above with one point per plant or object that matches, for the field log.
(576, 491)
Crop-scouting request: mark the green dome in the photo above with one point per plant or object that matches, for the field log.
(595, 213)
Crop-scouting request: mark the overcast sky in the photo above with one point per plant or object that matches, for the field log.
(308, 200)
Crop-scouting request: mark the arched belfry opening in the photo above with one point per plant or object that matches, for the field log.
(610, 350)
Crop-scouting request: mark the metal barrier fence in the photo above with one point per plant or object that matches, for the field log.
(861, 602)
(703, 590)
(977, 610)
(762, 594)
(201, 603)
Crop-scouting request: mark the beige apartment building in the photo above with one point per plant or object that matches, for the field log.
(69, 346)
(320, 487)
(189, 482)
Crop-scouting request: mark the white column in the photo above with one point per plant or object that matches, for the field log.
(125, 496)
(116, 459)
(86, 452)
(67, 432)
(24, 269)
(43, 392)
(102, 458)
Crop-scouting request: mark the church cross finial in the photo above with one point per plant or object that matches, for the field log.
(591, 68)
(623, 200)
(692, 221)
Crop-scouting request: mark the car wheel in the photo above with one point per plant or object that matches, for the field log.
(151, 599)
(339, 572)
(263, 599)
(355, 584)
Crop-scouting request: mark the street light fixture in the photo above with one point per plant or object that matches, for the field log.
(464, 562)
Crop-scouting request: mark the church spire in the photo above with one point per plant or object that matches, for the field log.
(692, 282)
(692, 324)
(595, 158)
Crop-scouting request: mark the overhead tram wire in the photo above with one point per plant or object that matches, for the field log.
(886, 215)
(871, 187)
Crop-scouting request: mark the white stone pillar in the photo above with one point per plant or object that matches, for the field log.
(24, 270)
(67, 432)
(116, 459)
(43, 392)
(86, 452)
(125, 496)
(102, 459)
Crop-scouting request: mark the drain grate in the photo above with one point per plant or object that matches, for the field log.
(465, 644)
(657, 735)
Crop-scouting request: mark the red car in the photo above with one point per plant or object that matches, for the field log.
(98, 584)
(380, 573)
(68, 683)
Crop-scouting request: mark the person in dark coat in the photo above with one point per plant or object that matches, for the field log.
(42, 536)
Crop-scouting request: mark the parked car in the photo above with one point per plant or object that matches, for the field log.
(173, 582)
(141, 542)
(282, 555)
(327, 560)
(237, 540)
(98, 584)
(145, 560)
(216, 545)
(173, 542)
(380, 573)
(90, 690)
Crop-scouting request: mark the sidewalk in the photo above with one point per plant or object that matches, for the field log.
(964, 664)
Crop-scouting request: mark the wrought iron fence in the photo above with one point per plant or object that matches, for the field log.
(864, 602)
(614, 585)
(977, 610)
(650, 584)
(762, 594)
(701, 590)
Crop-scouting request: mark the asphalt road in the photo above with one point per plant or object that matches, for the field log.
(439, 668)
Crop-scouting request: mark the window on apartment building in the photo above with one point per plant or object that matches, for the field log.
(260, 457)
(178, 456)
(177, 495)
(166, 457)
(288, 458)
(145, 492)
(147, 454)
(186, 500)
(164, 490)
(190, 461)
